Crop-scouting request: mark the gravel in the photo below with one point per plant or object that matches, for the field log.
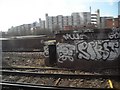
(23, 59)
(36, 59)
(61, 82)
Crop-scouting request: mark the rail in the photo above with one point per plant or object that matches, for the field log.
(43, 87)
(59, 75)
(57, 79)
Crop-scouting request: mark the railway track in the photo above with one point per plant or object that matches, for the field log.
(53, 78)
(105, 71)
(15, 86)
(57, 80)
(59, 74)
(49, 70)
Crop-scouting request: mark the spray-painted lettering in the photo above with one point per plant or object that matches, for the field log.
(96, 50)
(46, 51)
(76, 36)
(85, 47)
(65, 52)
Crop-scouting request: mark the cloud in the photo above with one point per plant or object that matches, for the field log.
(111, 2)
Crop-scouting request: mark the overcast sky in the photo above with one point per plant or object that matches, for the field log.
(18, 12)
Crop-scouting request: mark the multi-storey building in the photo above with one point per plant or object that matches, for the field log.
(75, 20)
(119, 21)
(95, 18)
(60, 22)
(70, 20)
(25, 29)
(50, 22)
(85, 18)
(35, 24)
(109, 22)
(103, 21)
(112, 23)
(42, 23)
(65, 20)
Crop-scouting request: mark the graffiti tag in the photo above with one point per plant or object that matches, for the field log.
(76, 36)
(46, 51)
(98, 49)
(65, 51)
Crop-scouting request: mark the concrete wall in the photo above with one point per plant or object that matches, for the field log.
(88, 49)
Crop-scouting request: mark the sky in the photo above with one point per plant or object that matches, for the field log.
(119, 8)
(18, 12)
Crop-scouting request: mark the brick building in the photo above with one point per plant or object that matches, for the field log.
(119, 14)
(111, 23)
(119, 21)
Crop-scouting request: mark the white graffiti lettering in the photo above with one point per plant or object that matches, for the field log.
(46, 51)
(74, 36)
(82, 47)
(96, 50)
(114, 35)
(65, 51)
(93, 50)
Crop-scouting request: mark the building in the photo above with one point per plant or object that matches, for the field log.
(95, 18)
(60, 22)
(74, 20)
(24, 29)
(103, 21)
(85, 18)
(42, 23)
(111, 23)
(49, 22)
(119, 21)
(81, 19)
(35, 24)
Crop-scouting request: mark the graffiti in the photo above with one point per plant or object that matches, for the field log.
(92, 50)
(114, 35)
(98, 49)
(76, 36)
(65, 51)
(46, 51)
(87, 30)
(89, 46)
